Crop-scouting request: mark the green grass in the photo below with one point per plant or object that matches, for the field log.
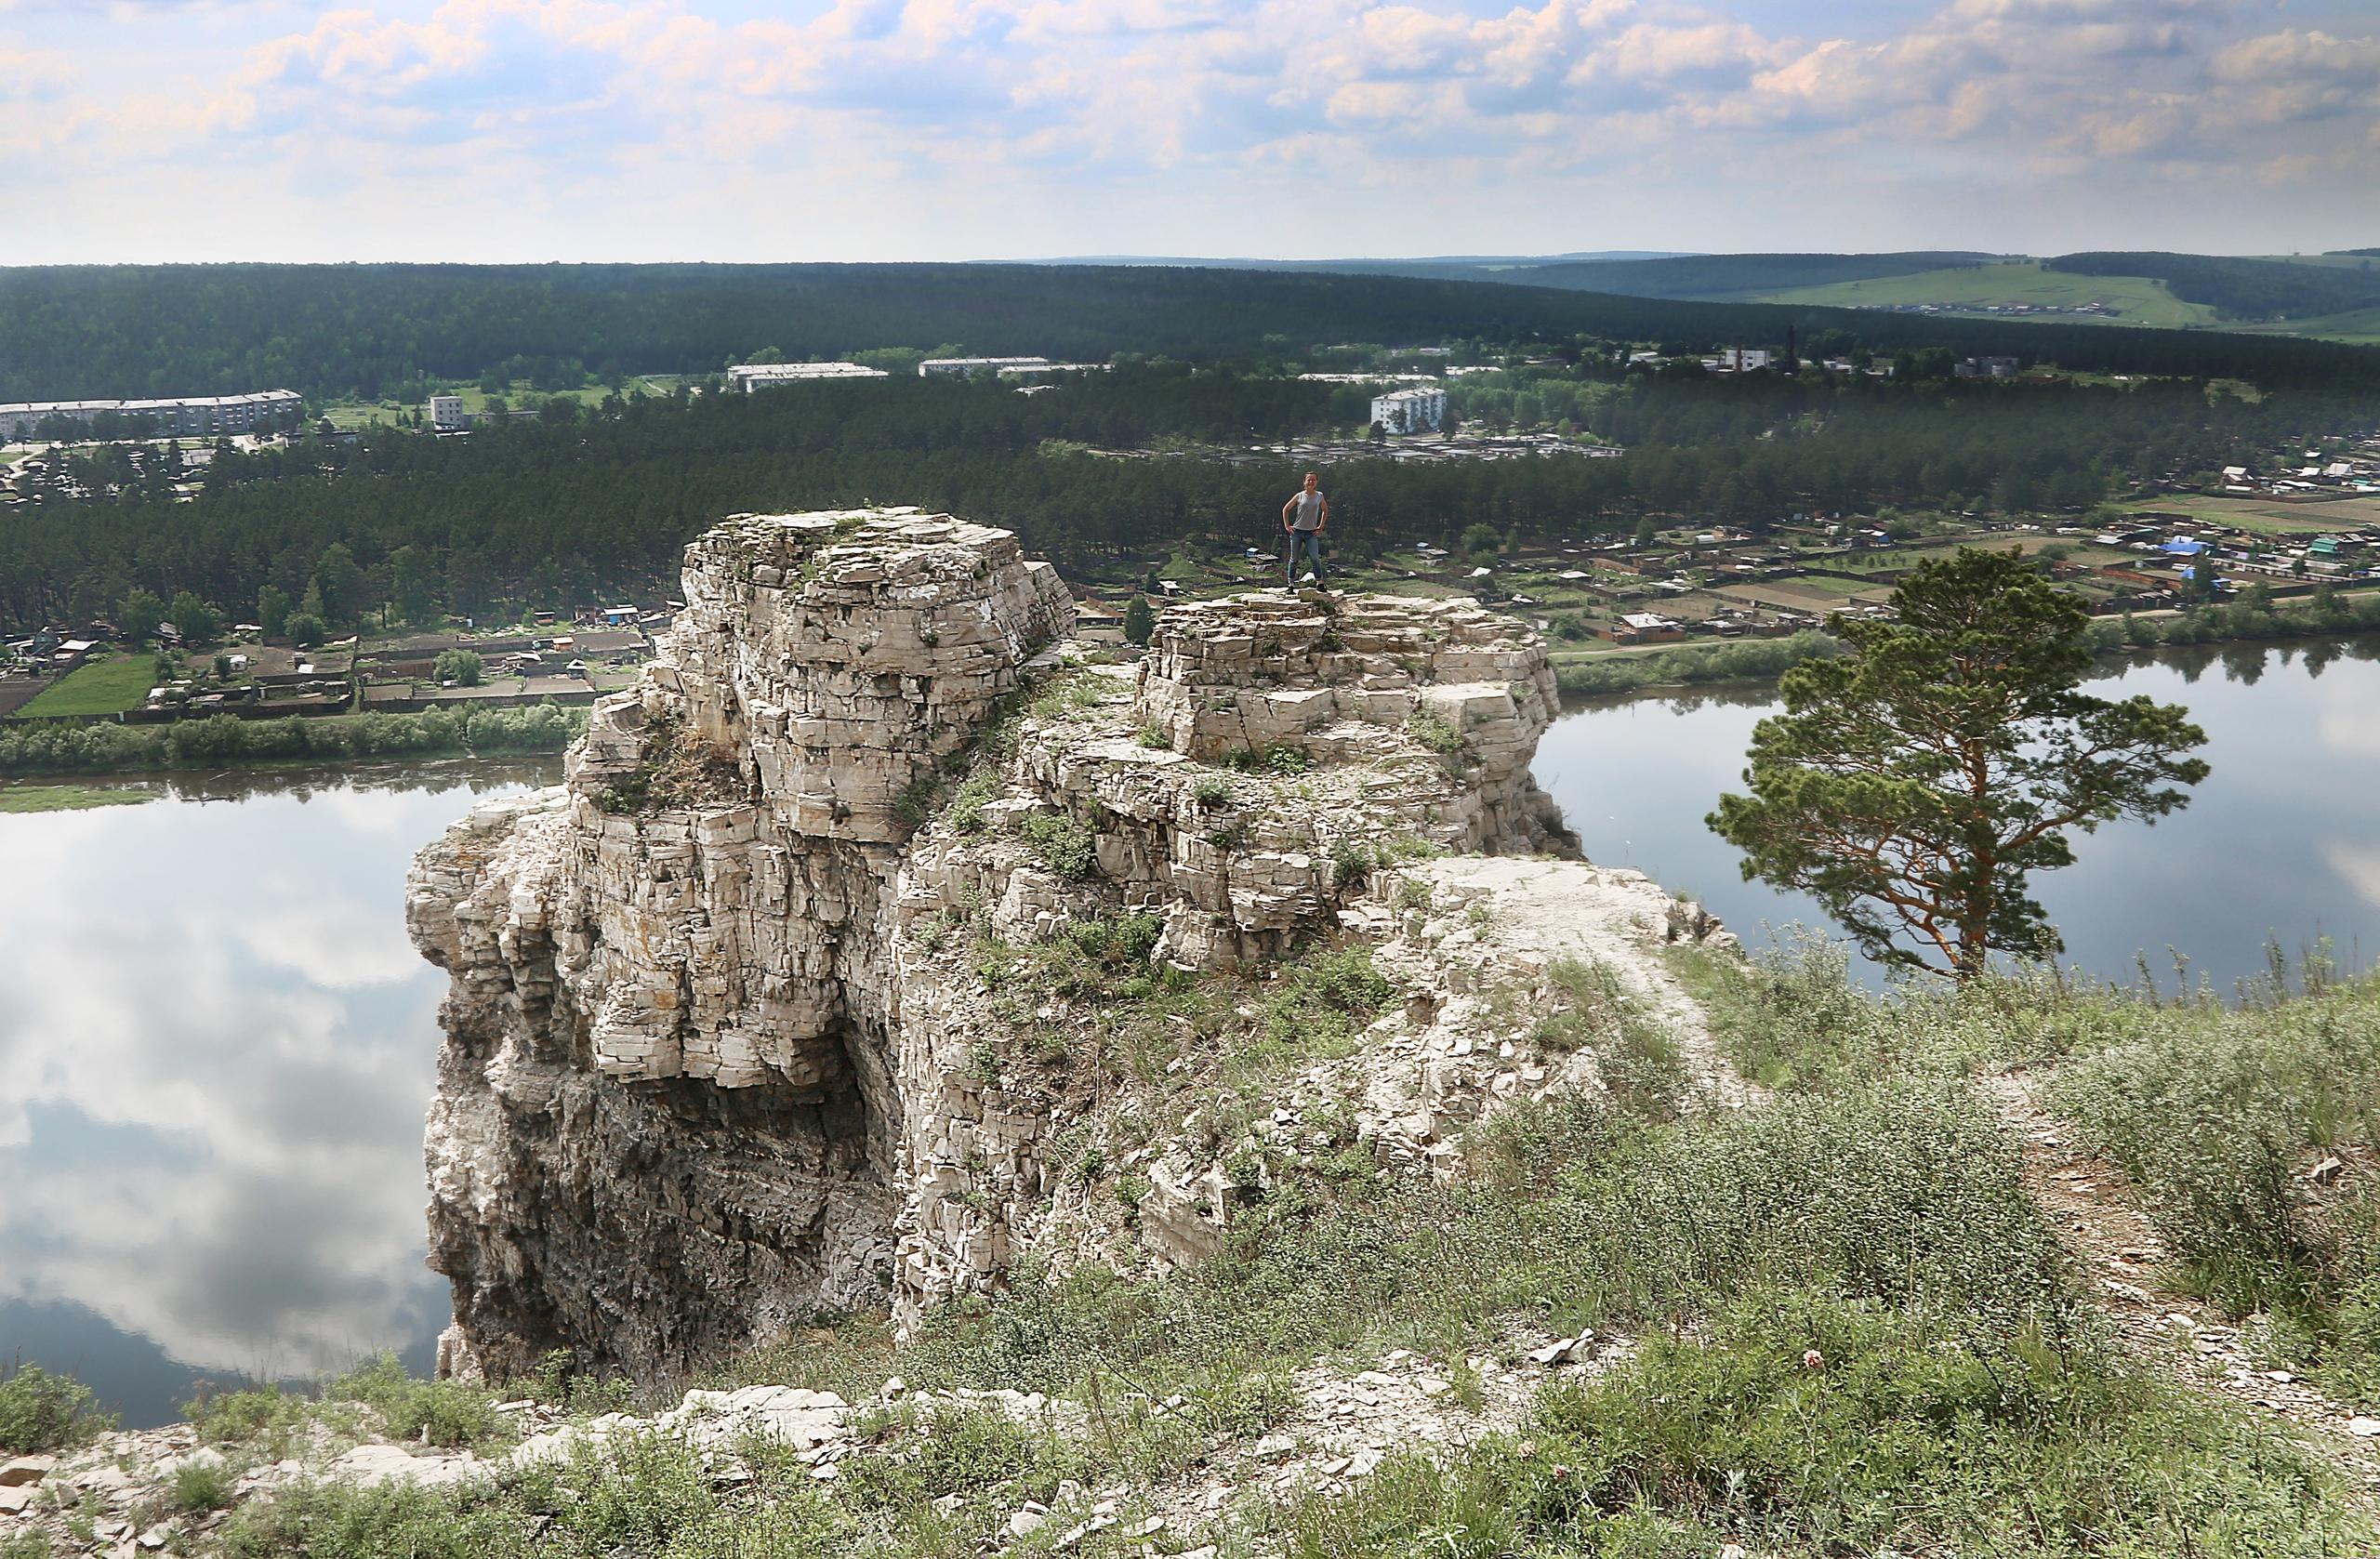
(97, 687)
(1797, 1423)
(66, 797)
(2141, 299)
(2215, 1113)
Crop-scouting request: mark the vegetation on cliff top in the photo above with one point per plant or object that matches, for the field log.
(1856, 1328)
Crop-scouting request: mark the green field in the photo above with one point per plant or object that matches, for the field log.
(66, 797)
(2361, 326)
(101, 687)
(2140, 299)
(2262, 514)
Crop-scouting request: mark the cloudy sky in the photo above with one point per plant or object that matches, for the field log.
(905, 129)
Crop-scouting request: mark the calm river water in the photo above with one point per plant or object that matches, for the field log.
(2281, 841)
(217, 1045)
(217, 1048)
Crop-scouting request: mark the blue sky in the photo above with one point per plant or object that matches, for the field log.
(921, 129)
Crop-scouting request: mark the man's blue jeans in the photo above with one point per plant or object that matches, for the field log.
(1310, 543)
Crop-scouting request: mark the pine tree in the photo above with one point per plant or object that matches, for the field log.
(1911, 785)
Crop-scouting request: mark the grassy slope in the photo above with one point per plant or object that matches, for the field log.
(2142, 300)
(103, 687)
(1730, 277)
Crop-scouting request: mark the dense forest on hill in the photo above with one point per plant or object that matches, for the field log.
(563, 510)
(369, 330)
(2241, 289)
(1719, 277)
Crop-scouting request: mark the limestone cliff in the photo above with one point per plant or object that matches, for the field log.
(734, 1035)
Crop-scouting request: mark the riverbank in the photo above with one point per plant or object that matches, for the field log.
(2249, 623)
(224, 742)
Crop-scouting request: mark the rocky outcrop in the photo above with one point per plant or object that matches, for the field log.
(724, 1046)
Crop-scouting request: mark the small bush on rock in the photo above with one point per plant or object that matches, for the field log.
(41, 1411)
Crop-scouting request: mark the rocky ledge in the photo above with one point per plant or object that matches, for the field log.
(824, 981)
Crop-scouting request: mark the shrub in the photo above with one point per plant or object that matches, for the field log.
(1315, 1009)
(1212, 791)
(463, 668)
(41, 1411)
(1066, 845)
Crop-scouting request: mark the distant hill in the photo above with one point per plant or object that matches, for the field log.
(1728, 278)
(1375, 265)
(2236, 289)
(343, 331)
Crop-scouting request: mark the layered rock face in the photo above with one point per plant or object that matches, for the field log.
(717, 1044)
(656, 1134)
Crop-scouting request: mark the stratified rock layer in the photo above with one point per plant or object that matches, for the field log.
(706, 1073)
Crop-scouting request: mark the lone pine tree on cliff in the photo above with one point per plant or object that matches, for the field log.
(1911, 784)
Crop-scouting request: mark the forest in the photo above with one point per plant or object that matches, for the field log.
(556, 511)
(341, 331)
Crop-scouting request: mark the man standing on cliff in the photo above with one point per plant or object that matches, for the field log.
(1302, 517)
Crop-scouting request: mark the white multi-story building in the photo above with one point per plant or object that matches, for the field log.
(1043, 370)
(1737, 359)
(1410, 411)
(185, 416)
(750, 377)
(934, 367)
(447, 415)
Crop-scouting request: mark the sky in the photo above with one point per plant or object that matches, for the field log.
(531, 130)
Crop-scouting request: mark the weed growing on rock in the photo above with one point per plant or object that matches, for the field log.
(679, 769)
(1434, 730)
(267, 1417)
(441, 1412)
(203, 1486)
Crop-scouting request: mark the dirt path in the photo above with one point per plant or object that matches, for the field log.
(2127, 1273)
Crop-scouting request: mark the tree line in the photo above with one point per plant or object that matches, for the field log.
(335, 331)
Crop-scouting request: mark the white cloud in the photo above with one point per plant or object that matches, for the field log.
(582, 118)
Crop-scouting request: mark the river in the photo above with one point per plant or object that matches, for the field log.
(217, 1045)
(217, 1048)
(2281, 840)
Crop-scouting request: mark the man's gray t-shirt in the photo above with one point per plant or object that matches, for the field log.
(1309, 516)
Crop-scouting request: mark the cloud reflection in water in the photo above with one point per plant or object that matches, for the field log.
(221, 1047)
